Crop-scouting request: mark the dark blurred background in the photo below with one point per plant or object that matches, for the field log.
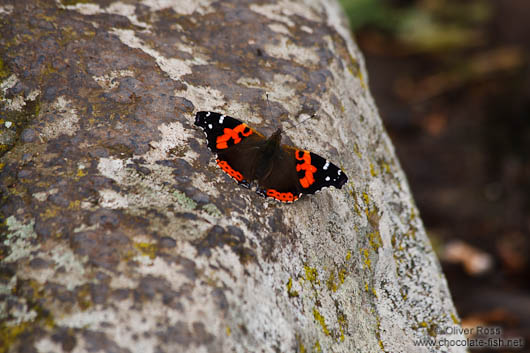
(451, 79)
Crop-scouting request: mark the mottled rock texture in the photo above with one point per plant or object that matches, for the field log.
(120, 234)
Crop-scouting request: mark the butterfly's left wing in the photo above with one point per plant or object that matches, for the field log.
(222, 131)
(233, 142)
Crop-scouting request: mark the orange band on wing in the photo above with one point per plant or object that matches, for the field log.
(229, 170)
(222, 141)
(282, 196)
(306, 166)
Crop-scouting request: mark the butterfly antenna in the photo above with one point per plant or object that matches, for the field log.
(303, 121)
(269, 106)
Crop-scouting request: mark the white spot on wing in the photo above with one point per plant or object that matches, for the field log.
(326, 165)
(210, 126)
(221, 119)
(338, 172)
(327, 178)
(208, 114)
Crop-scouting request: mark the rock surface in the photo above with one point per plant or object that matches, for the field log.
(121, 235)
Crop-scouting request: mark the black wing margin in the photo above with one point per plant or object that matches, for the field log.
(326, 174)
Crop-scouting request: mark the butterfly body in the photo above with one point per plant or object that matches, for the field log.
(280, 171)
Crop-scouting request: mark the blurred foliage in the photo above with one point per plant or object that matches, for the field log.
(426, 25)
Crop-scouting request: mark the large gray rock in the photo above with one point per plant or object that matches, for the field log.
(121, 234)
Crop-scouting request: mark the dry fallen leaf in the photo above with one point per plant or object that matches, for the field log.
(475, 261)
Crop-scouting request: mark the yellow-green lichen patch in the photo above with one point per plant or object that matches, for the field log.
(184, 201)
(455, 319)
(320, 319)
(381, 345)
(366, 199)
(84, 300)
(343, 325)
(19, 239)
(228, 331)
(4, 70)
(373, 171)
(80, 173)
(342, 275)
(330, 282)
(74, 205)
(23, 317)
(290, 292)
(301, 347)
(8, 334)
(311, 275)
(348, 255)
(367, 263)
(357, 150)
(356, 207)
(385, 166)
(50, 212)
(317, 347)
(212, 210)
(147, 249)
(375, 240)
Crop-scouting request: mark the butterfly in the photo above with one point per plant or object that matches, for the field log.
(281, 172)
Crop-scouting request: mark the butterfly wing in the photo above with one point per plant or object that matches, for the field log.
(233, 141)
(296, 172)
(315, 172)
(281, 182)
(222, 131)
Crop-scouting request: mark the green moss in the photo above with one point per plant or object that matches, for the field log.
(320, 319)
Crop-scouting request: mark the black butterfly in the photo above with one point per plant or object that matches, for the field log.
(282, 172)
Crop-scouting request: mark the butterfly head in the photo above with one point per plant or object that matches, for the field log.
(276, 137)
